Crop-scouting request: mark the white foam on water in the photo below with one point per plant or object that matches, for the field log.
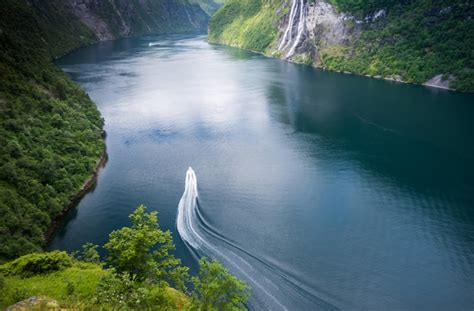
(186, 223)
(271, 288)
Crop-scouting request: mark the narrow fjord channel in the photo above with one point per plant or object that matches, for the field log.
(321, 190)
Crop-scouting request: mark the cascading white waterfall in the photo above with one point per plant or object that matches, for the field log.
(288, 31)
(301, 25)
(297, 12)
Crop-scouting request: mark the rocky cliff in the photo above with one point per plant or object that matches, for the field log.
(419, 41)
(110, 19)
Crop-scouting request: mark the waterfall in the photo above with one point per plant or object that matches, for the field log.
(288, 30)
(297, 15)
(301, 26)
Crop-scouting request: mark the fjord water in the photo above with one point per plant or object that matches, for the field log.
(322, 190)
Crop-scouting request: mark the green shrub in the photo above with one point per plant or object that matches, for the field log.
(70, 288)
(118, 291)
(74, 286)
(216, 289)
(20, 294)
(37, 263)
(89, 253)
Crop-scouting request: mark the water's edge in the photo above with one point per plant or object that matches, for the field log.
(88, 185)
(293, 61)
(320, 190)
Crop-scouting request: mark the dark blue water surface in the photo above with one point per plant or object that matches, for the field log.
(353, 193)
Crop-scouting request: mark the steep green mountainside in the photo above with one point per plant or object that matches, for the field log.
(50, 130)
(413, 41)
(249, 24)
(50, 133)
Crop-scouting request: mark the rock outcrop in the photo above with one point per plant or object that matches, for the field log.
(323, 29)
(111, 19)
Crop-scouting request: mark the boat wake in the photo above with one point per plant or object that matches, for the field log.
(272, 289)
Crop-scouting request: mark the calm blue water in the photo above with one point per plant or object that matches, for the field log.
(326, 190)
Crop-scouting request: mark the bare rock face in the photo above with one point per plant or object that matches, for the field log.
(328, 29)
(109, 19)
(324, 28)
(325, 25)
(84, 10)
(36, 303)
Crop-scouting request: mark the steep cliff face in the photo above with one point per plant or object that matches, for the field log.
(119, 18)
(319, 28)
(412, 41)
(109, 19)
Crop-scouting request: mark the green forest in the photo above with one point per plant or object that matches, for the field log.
(246, 24)
(415, 41)
(51, 132)
(51, 139)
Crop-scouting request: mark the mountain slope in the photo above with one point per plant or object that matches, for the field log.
(413, 41)
(50, 130)
(119, 18)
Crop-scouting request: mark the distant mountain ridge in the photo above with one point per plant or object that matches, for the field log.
(107, 19)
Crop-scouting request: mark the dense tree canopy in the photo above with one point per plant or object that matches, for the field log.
(50, 130)
(142, 251)
(140, 275)
(216, 289)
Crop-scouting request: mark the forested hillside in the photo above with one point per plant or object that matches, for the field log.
(412, 41)
(50, 130)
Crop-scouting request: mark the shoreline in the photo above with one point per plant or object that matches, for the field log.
(76, 199)
(292, 61)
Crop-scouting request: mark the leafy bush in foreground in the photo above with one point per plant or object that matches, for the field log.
(216, 289)
(139, 275)
(37, 263)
